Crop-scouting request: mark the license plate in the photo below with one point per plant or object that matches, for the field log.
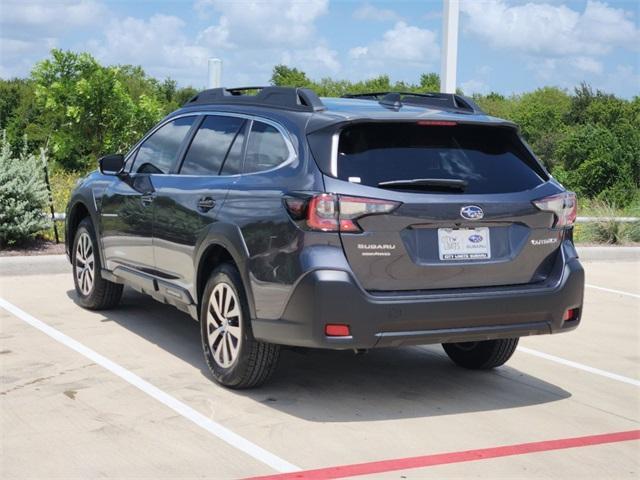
(464, 243)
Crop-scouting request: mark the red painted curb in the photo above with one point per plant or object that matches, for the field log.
(452, 457)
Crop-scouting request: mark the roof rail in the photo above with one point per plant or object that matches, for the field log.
(448, 101)
(290, 98)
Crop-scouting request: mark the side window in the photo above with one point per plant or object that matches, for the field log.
(266, 148)
(211, 144)
(158, 152)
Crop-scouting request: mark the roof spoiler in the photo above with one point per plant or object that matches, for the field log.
(289, 98)
(447, 101)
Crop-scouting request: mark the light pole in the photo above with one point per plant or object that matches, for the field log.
(450, 14)
(215, 73)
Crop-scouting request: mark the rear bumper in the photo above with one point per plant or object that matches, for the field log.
(333, 296)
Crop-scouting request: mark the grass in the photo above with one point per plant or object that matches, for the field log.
(607, 232)
(62, 184)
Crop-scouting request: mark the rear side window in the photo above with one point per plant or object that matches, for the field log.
(210, 145)
(158, 152)
(266, 148)
(485, 159)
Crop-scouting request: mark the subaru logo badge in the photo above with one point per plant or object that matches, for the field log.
(471, 212)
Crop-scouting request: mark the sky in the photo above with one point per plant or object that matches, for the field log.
(505, 46)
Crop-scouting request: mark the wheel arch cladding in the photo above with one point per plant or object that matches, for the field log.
(213, 255)
(77, 213)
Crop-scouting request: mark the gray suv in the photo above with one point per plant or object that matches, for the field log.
(277, 218)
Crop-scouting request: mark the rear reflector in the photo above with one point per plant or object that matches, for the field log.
(570, 314)
(563, 205)
(337, 330)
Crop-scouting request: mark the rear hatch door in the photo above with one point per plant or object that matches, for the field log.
(465, 216)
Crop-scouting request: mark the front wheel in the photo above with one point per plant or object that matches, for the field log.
(235, 358)
(481, 355)
(94, 292)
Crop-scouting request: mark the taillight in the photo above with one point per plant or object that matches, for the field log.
(322, 213)
(563, 205)
(352, 208)
(328, 212)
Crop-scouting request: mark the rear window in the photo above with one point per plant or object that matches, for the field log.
(485, 159)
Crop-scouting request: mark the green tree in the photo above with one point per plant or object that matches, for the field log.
(88, 110)
(430, 82)
(541, 117)
(284, 76)
(590, 163)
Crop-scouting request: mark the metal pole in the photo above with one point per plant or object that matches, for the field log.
(215, 73)
(450, 14)
(43, 157)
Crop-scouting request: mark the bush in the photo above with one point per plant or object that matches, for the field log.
(23, 196)
(62, 184)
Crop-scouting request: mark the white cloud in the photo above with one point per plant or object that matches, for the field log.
(29, 29)
(159, 44)
(551, 29)
(480, 81)
(587, 64)
(623, 80)
(557, 43)
(46, 17)
(316, 61)
(370, 12)
(358, 52)
(273, 23)
(403, 43)
(474, 86)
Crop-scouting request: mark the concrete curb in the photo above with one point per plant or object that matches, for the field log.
(609, 253)
(34, 265)
(52, 264)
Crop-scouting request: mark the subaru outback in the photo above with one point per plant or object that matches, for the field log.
(277, 218)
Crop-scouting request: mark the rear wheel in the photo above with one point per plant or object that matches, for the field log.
(235, 358)
(94, 292)
(481, 355)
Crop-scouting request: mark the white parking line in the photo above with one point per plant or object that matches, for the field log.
(611, 290)
(580, 366)
(173, 403)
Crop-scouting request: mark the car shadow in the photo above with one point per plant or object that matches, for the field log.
(339, 386)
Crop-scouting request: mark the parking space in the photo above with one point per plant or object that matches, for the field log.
(65, 415)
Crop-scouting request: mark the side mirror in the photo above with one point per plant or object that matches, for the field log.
(111, 164)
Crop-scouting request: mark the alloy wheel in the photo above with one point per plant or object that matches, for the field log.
(224, 326)
(85, 264)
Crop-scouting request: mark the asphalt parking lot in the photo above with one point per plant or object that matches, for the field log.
(126, 394)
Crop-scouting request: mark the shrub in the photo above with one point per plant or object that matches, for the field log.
(23, 196)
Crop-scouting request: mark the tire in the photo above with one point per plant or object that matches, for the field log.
(94, 292)
(235, 359)
(481, 355)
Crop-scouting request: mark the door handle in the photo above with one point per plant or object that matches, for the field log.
(206, 203)
(147, 199)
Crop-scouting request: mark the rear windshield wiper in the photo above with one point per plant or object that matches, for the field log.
(426, 184)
